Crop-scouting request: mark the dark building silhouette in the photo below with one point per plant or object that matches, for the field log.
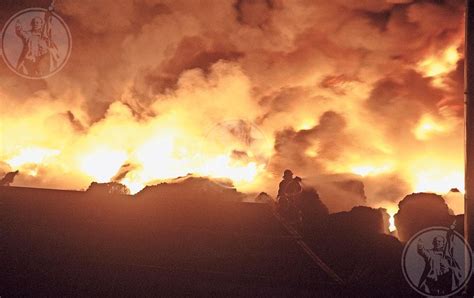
(112, 188)
(419, 211)
(191, 237)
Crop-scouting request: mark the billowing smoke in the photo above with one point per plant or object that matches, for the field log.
(363, 99)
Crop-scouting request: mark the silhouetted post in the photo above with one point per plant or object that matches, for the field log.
(469, 129)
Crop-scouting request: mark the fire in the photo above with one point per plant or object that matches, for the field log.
(438, 181)
(391, 209)
(427, 127)
(28, 157)
(221, 167)
(369, 170)
(33, 155)
(158, 157)
(231, 152)
(102, 164)
(391, 220)
(440, 167)
(157, 160)
(133, 184)
(439, 65)
(166, 149)
(306, 124)
(168, 136)
(158, 163)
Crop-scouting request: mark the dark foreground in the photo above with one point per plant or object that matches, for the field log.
(65, 243)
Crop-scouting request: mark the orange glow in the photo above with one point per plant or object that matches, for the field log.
(159, 153)
(437, 66)
(438, 181)
(427, 127)
(133, 185)
(438, 175)
(392, 226)
(159, 160)
(311, 152)
(369, 170)
(180, 136)
(32, 155)
(222, 167)
(392, 211)
(28, 159)
(391, 208)
(440, 64)
(102, 164)
(306, 124)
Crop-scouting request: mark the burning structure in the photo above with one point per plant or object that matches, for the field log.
(375, 93)
(363, 99)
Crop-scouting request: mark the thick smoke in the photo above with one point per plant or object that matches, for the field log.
(362, 99)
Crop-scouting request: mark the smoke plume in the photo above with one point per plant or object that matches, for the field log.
(361, 91)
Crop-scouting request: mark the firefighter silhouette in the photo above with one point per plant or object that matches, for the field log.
(289, 192)
(8, 178)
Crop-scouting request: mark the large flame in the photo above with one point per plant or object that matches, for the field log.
(137, 152)
(32, 156)
(366, 170)
(439, 65)
(102, 164)
(428, 127)
(372, 95)
(162, 157)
